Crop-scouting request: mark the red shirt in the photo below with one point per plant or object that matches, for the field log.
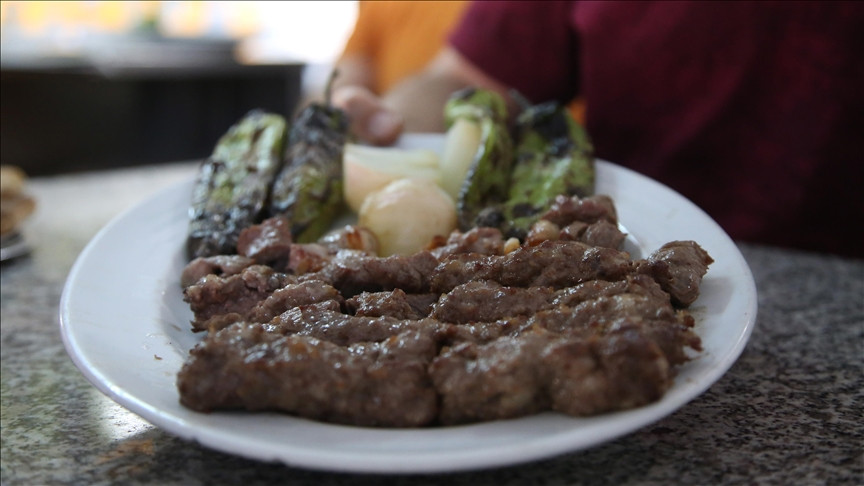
(752, 110)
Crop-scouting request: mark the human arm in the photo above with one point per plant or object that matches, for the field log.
(496, 45)
(421, 98)
(416, 104)
(355, 70)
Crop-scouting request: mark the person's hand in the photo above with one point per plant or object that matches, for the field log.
(371, 121)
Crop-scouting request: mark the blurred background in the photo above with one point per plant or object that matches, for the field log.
(89, 85)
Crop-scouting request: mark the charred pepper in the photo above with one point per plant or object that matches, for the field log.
(231, 187)
(554, 156)
(308, 189)
(488, 177)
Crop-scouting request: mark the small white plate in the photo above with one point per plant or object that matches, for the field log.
(127, 329)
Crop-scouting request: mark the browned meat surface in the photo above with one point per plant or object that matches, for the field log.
(678, 267)
(634, 284)
(600, 233)
(351, 238)
(352, 273)
(604, 310)
(485, 241)
(491, 381)
(213, 296)
(573, 231)
(550, 264)
(566, 210)
(603, 233)
(291, 296)
(522, 375)
(480, 332)
(669, 329)
(268, 243)
(617, 371)
(326, 322)
(376, 384)
(394, 303)
(485, 301)
(466, 331)
(308, 258)
(219, 265)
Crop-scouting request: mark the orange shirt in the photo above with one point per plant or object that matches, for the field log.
(401, 37)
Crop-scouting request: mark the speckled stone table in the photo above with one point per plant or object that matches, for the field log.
(790, 411)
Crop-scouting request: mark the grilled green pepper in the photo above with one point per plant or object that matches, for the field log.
(231, 188)
(554, 156)
(488, 177)
(308, 189)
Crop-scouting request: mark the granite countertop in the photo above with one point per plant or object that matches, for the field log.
(788, 412)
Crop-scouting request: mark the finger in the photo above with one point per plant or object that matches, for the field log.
(370, 119)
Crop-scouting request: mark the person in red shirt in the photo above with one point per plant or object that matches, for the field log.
(752, 110)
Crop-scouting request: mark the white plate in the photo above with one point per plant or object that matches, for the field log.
(127, 329)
